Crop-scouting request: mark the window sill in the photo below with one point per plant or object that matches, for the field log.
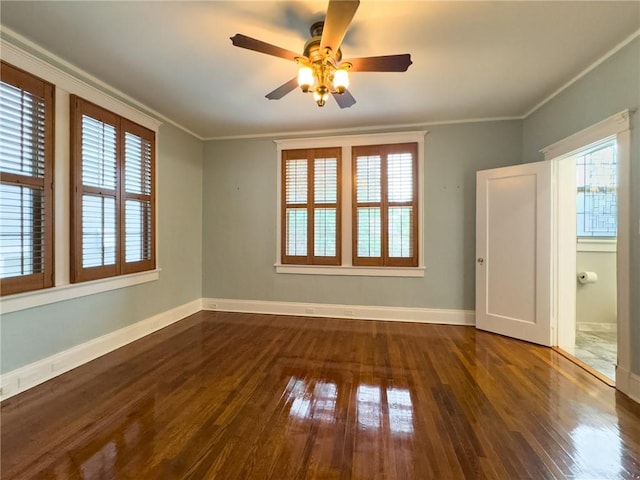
(596, 244)
(22, 301)
(352, 271)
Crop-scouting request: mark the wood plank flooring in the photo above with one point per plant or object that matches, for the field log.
(239, 396)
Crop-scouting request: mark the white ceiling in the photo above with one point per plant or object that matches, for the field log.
(471, 60)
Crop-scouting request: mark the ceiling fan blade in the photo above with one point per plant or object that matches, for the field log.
(249, 43)
(283, 89)
(386, 63)
(339, 16)
(344, 100)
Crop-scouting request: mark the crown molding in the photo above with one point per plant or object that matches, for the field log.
(584, 72)
(16, 48)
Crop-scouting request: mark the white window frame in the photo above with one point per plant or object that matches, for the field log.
(67, 84)
(346, 142)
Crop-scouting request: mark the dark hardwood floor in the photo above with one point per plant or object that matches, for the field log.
(239, 396)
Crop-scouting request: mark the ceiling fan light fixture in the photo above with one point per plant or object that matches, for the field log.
(320, 95)
(321, 70)
(340, 80)
(305, 78)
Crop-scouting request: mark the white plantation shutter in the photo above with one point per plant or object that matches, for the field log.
(311, 210)
(26, 188)
(113, 221)
(385, 205)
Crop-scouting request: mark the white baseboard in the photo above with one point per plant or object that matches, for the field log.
(628, 383)
(23, 378)
(362, 312)
(596, 327)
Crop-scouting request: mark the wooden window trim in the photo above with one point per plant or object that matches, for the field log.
(384, 260)
(310, 206)
(148, 135)
(46, 91)
(78, 108)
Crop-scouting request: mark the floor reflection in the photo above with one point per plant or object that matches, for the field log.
(123, 443)
(376, 406)
(313, 400)
(400, 410)
(598, 451)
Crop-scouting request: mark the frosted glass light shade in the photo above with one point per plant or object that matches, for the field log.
(320, 98)
(305, 78)
(340, 80)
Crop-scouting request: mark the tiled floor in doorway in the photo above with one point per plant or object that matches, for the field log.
(599, 350)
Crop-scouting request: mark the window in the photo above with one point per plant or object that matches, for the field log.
(597, 197)
(361, 216)
(113, 207)
(385, 205)
(26, 186)
(311, 206)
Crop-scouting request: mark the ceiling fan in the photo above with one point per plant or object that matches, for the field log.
(321, 68)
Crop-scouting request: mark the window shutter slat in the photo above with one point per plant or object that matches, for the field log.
(400, 177)
(369, 242)
(369, 181)
(137, 164)
(296, 232)
(296, 177)
(98, 231)
(23, 230)
(325, 180)
(400, 232)
(137, 230)
(324, 232)
(22, 143)
(98, 153)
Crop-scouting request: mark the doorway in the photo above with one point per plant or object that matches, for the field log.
(578, 240)
(596, 180)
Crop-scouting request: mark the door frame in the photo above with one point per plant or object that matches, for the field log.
(617, 126)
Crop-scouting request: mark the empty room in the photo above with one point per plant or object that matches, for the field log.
(319, 240)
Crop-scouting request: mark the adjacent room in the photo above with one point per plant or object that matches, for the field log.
(320, 239)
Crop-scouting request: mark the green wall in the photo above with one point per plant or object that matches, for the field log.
(610, 88)
(240, 221)
(32, 334)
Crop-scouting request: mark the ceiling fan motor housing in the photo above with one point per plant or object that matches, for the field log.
(312, 47)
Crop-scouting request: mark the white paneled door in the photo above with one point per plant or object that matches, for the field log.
(513, 251)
